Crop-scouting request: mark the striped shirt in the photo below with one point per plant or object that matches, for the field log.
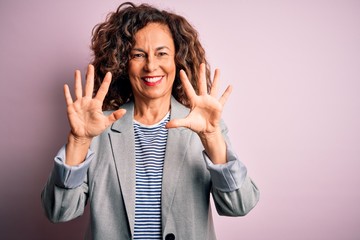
(150, 144)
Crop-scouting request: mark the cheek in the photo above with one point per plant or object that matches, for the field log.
(131, 70)
(171, 68)
(134, 68)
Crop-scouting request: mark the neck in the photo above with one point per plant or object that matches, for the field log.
(152, 111)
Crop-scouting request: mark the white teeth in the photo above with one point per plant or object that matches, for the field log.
(152, 79)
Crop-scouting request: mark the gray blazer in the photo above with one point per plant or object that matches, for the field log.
(109, 185)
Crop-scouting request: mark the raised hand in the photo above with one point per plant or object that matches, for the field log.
(206, 109)
(85, 114)
(205, 114)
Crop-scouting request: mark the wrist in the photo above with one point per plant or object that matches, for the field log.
(215, 146)
(211, 136)
(76, 149)
(72, 139)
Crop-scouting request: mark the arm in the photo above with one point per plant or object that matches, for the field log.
(238, 202)
(65, 194)
(85, 115)
(205, 114)
(233, 191)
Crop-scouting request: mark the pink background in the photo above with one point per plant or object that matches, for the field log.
(293, 116)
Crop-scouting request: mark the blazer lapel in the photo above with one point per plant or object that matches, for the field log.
(177, 143)
(123, 147)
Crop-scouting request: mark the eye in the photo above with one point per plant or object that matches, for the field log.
(162, 54)
(138, 56)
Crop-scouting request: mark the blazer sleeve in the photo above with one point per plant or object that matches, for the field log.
(65, 194)
(234, 193)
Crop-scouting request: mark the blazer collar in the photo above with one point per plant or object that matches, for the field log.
(177, 111)
(124, 123)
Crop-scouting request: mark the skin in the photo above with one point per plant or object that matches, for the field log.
(152, 59)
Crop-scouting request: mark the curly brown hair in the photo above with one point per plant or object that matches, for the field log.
(113, 40)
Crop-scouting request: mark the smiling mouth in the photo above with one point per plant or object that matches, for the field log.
(152, 81)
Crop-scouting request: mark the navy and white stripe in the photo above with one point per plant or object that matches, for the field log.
(150, 144)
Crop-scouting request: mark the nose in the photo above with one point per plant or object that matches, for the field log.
(151, 64)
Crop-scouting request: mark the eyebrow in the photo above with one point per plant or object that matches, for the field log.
(157, 49)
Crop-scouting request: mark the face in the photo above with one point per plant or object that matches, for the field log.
(152, 66)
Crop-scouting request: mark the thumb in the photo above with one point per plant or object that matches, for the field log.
(175, 123)
(116, 115)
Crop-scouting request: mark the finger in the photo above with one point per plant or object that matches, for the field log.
(214, 86)
(188, 88)
(116, 115)
(175, 123)
(67, 94)
(89, 87)
(78, 86)
(225, 95)
(101, 93)
(202, 80)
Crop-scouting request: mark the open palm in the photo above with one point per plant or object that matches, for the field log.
(206, 109)
(85, 114)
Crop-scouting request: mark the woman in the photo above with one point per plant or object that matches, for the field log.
(147, 166)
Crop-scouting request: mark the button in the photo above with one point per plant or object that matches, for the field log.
(170, 236)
